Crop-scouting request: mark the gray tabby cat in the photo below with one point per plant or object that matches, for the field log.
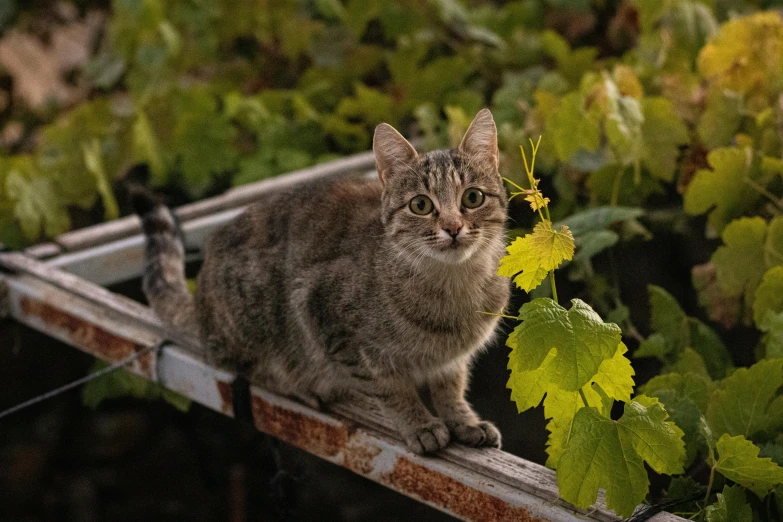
(356, 284)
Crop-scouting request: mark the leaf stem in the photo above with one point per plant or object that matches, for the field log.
(545, 215)
(515, 185)
(764, 192)
(584, 397)
(552, 283)
(709, 484)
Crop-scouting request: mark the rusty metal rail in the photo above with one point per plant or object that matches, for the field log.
(471, 484)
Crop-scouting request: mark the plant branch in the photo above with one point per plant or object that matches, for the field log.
(764, 192)
(709, 485)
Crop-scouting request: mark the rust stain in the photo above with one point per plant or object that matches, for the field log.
(81, 333)
(226, 397)
(467, 503)
(300, 430)
(359, 458)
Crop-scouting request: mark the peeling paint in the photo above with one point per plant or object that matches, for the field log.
(447, 493)
(86, 335)
(359, 456)
(226, 397)
(307, 433)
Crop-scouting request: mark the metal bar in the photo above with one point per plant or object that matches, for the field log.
(471, 484)
(113, 252)
(122, 260)
(233, 198)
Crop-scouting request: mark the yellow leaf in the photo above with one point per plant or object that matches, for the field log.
(746, 54)
(530, 258)
(553, 246)
(627, 82)
(536, 201)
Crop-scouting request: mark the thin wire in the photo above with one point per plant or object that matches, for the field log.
(78, 382)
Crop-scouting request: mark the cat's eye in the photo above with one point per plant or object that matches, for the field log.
(421, 205)
(472, 198)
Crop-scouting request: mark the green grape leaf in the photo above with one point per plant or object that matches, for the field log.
(574, 127)
(37, 204)
(202, 139)
(750, 248)
(528, 387)
(772, 326)
(599, 218)
(146, 148)
(739, 405)
(722, 191)
(571, 64)
(615, 376)
(667, 317)
(739, 262)
(581, 339)
(663, 132)
(654, 346)
(721, 118)
(738, 460)
(614, 381)
(708, 344)
(608, 454)
(532, 257)
(773, 450)
(617, 180)
(122, 383)
(769, 295)
(589, 228)
(676, 333)
(93, 160)
(775, 411)
(683, 487)
(685, 397)
(732, 506)
(690, 361)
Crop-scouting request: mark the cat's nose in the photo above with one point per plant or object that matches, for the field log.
(453, 229)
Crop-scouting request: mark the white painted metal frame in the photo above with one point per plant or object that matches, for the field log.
(471, 484)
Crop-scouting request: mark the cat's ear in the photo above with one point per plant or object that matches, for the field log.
(481, 140)
(391, 150)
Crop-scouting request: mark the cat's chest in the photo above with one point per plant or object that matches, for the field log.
(458, 311)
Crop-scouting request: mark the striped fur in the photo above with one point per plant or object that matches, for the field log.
(324, 289)
(164, 280)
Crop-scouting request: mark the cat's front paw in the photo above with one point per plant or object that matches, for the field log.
(482, 433)
(427, 438)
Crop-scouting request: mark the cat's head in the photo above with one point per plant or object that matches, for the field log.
(446, 204)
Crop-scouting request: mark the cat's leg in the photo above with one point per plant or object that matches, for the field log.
(447, 390)
(421, 431)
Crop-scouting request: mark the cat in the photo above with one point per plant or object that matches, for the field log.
(373, 285)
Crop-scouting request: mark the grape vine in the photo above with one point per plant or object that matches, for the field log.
(576, 363)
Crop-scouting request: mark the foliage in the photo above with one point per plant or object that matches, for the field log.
(700, 408)
(658, 116)
(122, 383)
(579, 362)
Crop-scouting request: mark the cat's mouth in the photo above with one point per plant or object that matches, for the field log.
(454, 250)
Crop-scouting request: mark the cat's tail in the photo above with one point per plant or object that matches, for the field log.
(164, 280)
